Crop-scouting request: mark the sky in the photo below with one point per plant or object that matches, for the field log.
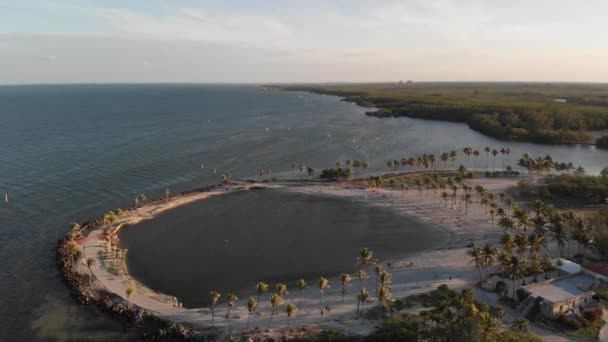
(272, 41)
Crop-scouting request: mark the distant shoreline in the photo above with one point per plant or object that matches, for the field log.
(387, 107)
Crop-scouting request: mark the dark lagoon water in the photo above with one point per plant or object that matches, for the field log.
(68, 153)
(228, 243)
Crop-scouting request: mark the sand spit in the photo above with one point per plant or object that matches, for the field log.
(416, 274)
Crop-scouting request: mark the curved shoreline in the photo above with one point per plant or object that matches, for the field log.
(195, 322)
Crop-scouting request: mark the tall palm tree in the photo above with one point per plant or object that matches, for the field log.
(261, 288)
(384, 296)
(521, 243)
(378, 269)
(301, 284)
(291, 310)
(251, 305)
(487, 150)
(90, 263)
(507, 240)
(494, 153)
(492, 213)
(275, 301)
(476, 258)
(361, 275)
(362, 297)
(232, 298)
(215, 298)
(536, 242)
(366, 257)
(323, 284)
(345, 278)
(488, 253)
(536, 266)
(517, 267)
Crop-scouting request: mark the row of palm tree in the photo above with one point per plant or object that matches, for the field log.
(543, 165)
(276, 299)
(428, 160)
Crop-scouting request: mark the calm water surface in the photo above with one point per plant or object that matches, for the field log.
(228, 243)
(68, 153)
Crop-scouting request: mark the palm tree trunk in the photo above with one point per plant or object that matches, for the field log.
(357, 312)
(212, 315)
(270, 320)
(248, 316)
(362, 313)
(229, 324)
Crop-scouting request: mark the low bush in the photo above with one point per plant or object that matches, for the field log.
(593, 315)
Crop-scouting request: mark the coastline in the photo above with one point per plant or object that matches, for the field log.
(428, 268)
(365, 100)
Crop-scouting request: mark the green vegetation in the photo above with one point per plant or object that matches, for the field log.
(568, 189)
(509, 111)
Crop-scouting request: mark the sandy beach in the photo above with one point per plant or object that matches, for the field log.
(416, 274)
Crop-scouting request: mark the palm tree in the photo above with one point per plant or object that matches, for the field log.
(536, 266)
(231, 299)
(488, 253)
(301, 284)
(323, 284)
(476, 257)
(281, 289)
(275, 301)
(492, 213)
(251, 305)
(90, 263)
(378, 270)
(476, 154)
(517, 267)
(521, 243)
(215, 298)
(361, 275)
(494, 153)
(507, 240)
(261, 288)
(384, 295)
(291, 310)
(506, 223)
(536, 242)
(487, 150)
(362, 297)
(365, 258)
(345, 278)
(522, 218)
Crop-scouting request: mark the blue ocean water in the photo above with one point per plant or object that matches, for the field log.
(69, 152)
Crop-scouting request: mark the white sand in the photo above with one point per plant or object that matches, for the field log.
(429, 270)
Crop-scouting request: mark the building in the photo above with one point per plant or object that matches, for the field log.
(560, 295)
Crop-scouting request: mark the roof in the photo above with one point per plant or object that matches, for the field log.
(598, 268)
(567, 265)
(562, 289)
